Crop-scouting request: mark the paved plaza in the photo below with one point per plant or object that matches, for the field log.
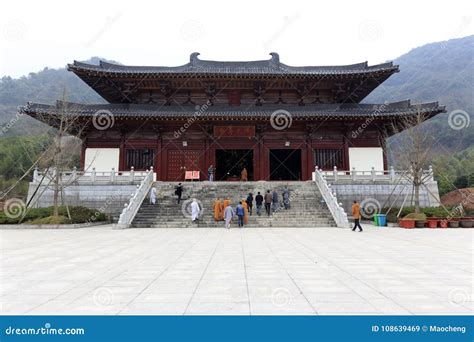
(299, 271)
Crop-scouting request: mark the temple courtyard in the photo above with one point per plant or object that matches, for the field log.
(264, 271)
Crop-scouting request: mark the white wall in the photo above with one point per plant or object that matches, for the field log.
(103, 159)
(364, 158)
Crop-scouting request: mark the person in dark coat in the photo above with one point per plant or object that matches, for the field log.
(179, 191)
(286, 198)
(275, 201)
(249, 201)
(268, 202)
(258, 202)
(240, 212)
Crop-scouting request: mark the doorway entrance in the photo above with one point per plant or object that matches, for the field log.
(285, 164)
(229, 164)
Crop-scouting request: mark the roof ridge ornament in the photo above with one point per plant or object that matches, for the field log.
(275, 60)
(193, 58)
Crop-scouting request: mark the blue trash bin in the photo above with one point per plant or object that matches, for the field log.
(382, 220)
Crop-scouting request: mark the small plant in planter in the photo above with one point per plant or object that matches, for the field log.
(413, 220)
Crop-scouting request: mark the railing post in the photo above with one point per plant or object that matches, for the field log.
(392, 174)
(93, 175)
(353, 173)
(335, 173)
(112, 175)
(372, 172)
(35, 174)
(132, 174)
(430, 170)
(74, 173)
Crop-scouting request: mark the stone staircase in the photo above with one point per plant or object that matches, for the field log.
(307, 206)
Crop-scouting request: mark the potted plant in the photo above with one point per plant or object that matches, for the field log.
(432, 222)
(466, 222)
(453, 222)
(413, 220)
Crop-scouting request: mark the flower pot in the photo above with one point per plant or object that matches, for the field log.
(407, 224)
(443, 224)
(466, 223)
(420, 224)
(432, 223)
(453, 224)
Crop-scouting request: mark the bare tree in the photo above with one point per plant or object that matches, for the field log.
(413, 149)
(58, 158)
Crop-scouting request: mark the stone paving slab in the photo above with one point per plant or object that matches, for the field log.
(268, 271)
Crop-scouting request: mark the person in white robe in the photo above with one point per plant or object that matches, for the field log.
(195, 210)
(228, 215)
(153, 193)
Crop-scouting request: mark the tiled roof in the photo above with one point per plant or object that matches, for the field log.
(273, 66)
(313, 111)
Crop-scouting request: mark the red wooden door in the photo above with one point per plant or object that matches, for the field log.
(180, 161)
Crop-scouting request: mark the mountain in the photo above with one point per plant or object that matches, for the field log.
(442, 72)
(45, 86)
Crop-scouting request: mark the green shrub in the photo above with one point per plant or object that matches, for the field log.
(78, 215)
(429, 212)
(50, 220)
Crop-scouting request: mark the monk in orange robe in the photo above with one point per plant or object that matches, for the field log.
(217, 210)
(221, 213)
(226, 203)
(246, 211)
(244, 175)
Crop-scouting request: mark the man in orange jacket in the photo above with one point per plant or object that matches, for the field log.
(356, 214)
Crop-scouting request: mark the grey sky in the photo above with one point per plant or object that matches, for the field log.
(35, 34)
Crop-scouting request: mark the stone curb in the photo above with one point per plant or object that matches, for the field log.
(52, 226)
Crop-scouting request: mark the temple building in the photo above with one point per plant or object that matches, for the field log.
(277, 121)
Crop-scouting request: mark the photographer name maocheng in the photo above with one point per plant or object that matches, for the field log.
(444, 329)
(44, 331)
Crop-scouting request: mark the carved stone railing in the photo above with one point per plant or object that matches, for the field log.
(93, 176)
(390, 175)
(131, 208)
(336, 209)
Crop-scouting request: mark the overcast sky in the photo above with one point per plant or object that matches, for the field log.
(36, 34)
